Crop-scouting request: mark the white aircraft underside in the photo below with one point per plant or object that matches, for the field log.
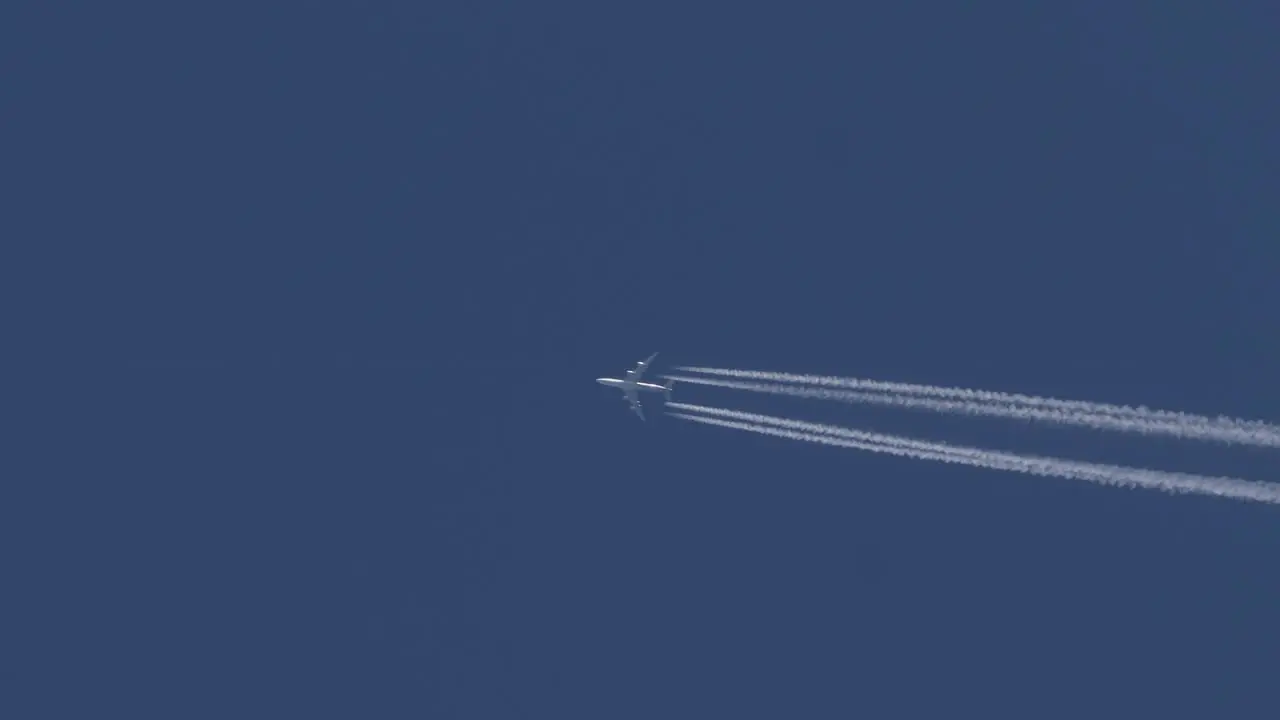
(631, 385)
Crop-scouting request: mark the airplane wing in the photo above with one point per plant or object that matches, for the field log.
(630, 395)
(634, 375)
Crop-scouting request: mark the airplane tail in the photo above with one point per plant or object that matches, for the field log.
(668, 386)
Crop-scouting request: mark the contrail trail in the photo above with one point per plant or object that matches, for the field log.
(1115, 475)
(951, 393)
(1256, 434)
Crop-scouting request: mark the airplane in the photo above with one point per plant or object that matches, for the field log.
(631, 384)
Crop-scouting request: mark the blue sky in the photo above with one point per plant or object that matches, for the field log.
(307, 302)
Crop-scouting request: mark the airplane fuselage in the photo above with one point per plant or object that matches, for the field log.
(615, 382)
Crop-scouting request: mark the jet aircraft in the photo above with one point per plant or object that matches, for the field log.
(630, 385)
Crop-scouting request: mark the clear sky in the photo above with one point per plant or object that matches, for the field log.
(307, 300)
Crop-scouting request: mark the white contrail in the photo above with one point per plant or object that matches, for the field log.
(1115, 475)
(952, 393)
(1252, 435)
